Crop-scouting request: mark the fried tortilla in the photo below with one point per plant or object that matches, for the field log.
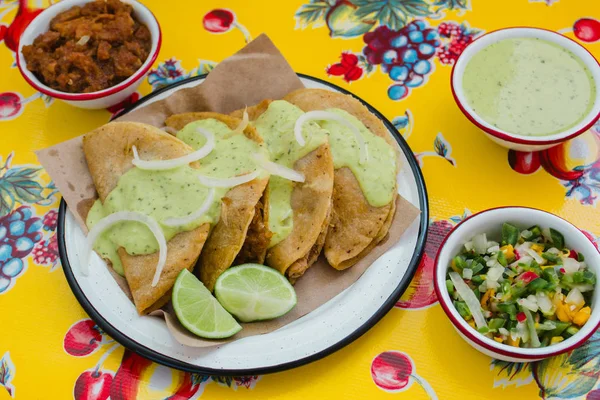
(109, 155)
(356, 226)
(240, 235)
(311, 204)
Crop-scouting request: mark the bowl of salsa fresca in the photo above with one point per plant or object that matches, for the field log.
(519, 284)
(89, 53)
(528, 89)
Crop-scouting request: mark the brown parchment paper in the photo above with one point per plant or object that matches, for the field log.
(256, 72)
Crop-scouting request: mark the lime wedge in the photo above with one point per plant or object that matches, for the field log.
(198, 311)
(253, 292)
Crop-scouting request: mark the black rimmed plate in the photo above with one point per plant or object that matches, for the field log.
(329, 328)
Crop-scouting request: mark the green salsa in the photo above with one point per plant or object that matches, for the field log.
(529, 86)
(376, 177)
(172, 193)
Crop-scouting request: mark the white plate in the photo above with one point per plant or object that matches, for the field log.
(325, 330)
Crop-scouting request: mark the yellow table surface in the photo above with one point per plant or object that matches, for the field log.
(49, 349)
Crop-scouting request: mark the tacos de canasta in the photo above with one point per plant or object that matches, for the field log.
(356, 226)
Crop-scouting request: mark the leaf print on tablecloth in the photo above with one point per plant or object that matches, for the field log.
(21, 184)
(558, 377)
(7, 373)
(510, 373)
(393, 13)
(441, 147)
(313, 13)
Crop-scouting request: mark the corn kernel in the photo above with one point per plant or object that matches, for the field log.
(454, 267)
(514, 343)
(562, 312)
(582, 316)
(556, 339)
(509, 251)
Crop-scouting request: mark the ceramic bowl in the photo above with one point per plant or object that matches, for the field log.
(490, 222)
(508, 139)
(103, 98)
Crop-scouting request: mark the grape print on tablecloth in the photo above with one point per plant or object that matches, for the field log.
(20, 229)
(397, 38)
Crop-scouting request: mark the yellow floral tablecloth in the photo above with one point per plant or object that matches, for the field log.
(50, 349)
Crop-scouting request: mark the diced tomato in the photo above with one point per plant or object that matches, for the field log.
(517, 255)
(521, 317)
(527, 276)
(562, 271)
(573, 255)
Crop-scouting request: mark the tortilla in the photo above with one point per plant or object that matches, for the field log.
(356, 226)
(109, 155)
(311, 204)
(229, 238)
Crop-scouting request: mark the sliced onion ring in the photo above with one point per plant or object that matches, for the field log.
(178, 221)
(121, 216)
(468, 297)
(329, 116)
(180, 161)
(227, 182)
(245, 120)
(278, 169)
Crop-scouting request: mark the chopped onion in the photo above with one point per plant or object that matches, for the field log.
(480, 243)
(195, 215)
(575, 298)
(503, 331)
(228, 182)
(491, 243)
(528, 304)
(468, 297)
(121, 216)
(483, 287)
(539, 259)
(495, 273)
(523, 332)
(83, 40)
(493, 249)
(547, 326)
(278, 169)
(467, 273)
(329, 116)
(526, 234)
(523, 260)
(535, 340)
(570, 265)
(469, 246)
(489, 284)
(177, 162)
(240, 128)
(169, 129)
(546, 234)
(544, 303)
(553, 250)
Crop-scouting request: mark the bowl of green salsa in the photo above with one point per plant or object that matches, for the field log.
(528, 89)
(519, 284)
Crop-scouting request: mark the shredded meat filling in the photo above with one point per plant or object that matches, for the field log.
(89, 48)
(257, 239)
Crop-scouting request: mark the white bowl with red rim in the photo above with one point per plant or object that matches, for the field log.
(103, 98)
(490, 222)
(509, 139)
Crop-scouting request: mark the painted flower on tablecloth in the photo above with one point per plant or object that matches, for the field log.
(421, 292)
(171, 71)
(7, 373)
(566, 376)
(397, 38)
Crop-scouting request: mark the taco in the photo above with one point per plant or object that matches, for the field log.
(365, 191)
